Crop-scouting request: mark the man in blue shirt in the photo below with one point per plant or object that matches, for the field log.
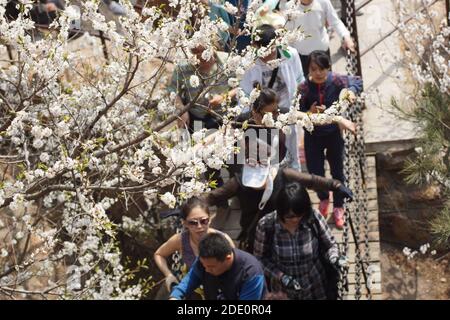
(224, 272)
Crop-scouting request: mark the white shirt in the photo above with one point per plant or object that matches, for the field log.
(313, 23)
(290, 72)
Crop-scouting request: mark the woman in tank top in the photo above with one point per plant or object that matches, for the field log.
(196, 219)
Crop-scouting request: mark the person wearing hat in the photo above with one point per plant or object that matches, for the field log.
(212, 76)
(284, 78)
(257, 185)
(316, 16)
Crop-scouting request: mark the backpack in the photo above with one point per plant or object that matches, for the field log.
(332, 274)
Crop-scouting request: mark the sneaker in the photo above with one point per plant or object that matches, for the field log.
(338, 214)
(323, 207)
(116, 8)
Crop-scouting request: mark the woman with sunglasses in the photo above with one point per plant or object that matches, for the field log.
(296, 247)
(196, 219)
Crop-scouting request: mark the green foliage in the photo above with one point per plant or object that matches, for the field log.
(431, 165)
(440, 226)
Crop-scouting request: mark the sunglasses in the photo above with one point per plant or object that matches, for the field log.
(194, 223)
(292, 216)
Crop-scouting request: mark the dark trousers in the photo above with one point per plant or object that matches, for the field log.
(305, 65)
(331, 147)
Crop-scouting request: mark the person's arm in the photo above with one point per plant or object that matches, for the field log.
(166, 250)
(355, 84)
(350, 87)
(318, 183)
(162, 253)
(312, 181)
(346, 124)
(337, 24)
(341, 121)
(253, 288)
(217, 99)
(262, 249)
(223, 193)
(189, 283)
(327, 240)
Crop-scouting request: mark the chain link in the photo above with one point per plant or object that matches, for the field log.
(354, 170)
(176, 256)
(358, 205)
(343, 281)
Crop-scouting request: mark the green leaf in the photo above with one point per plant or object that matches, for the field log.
(42, 166)
(212, 184)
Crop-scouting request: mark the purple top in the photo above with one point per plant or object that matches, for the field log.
(187, 253)
(188, 256)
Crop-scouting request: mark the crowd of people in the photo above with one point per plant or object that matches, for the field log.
(286, 248)
(43, 12)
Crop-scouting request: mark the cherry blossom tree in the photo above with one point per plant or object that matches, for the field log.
(89, 146)
(426, 35)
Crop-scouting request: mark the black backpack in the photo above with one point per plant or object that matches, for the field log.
(332, 274)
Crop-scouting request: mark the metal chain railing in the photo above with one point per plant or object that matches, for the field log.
(176, 256)
(355, 168)
(343, 280)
